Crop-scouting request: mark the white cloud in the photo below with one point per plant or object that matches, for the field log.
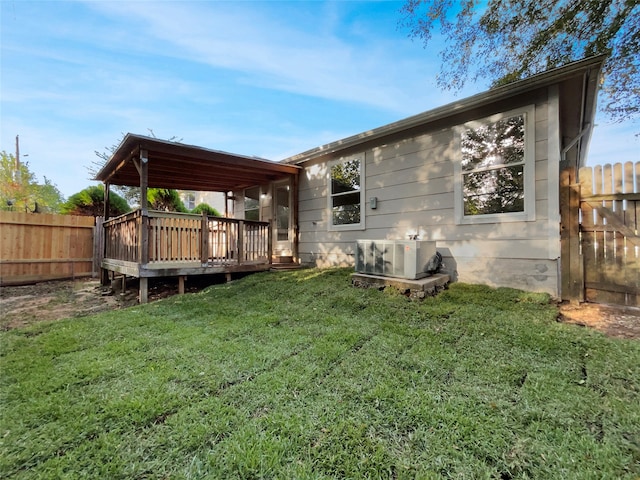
(305, 58)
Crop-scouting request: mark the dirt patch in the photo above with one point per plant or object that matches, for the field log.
(614, 321)
(50, 301)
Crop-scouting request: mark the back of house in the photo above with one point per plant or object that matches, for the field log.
(480, 177)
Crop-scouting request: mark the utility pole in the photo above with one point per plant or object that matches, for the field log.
(17, 164)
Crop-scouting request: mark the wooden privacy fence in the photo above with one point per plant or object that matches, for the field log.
(602, 238)
(39, 247)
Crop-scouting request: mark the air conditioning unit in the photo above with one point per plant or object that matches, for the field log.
(394, 258)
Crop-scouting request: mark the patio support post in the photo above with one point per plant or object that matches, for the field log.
(107, 200)
(144, 183)
(104, 273)
(296, 232)
(270, 229)
(144, 224)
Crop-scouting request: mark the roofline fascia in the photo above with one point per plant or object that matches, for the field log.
(115, 161)
(500, 93)
(132, 144)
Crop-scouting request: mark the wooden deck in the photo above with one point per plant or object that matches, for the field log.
(162, 244)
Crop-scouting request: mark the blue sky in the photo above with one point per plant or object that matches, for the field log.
(268, 78)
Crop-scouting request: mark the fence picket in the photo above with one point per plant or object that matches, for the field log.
(39, 247)
(610, 236)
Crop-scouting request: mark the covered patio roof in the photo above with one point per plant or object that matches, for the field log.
(187, 167)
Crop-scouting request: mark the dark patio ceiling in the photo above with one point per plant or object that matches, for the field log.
(188, 167)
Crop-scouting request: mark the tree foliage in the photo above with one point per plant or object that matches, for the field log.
(131, 194)
(20, 190)
(165, 199)
(90, 202)
(506, 40)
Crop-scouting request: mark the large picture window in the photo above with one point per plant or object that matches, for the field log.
(346, 193)
(495, 178)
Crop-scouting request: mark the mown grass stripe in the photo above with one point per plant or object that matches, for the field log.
(314, 379)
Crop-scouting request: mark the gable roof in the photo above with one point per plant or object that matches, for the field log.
(589, 67)
(188, 167)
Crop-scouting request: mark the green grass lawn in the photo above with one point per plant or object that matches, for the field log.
(298, 375)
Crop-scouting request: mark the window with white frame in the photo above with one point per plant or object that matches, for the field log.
(346, 194)
(190, 200)
(495, 175)
(252, 204)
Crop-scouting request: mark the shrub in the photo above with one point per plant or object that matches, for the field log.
(208, 209)
(90, 202)
(165, 199)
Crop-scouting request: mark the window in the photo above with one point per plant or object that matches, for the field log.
(252, 204)
(346, 194)
(190, 200)
(282, 213)
(496, 172)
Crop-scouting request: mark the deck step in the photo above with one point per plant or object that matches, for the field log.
(280, 266)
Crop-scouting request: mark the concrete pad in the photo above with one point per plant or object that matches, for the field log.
(418, 288)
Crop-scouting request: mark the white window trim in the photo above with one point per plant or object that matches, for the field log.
(351, 226)
(529, 213)
(187, 200)
(244, 203)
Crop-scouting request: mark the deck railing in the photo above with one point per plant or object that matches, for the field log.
(178, 238)
(122, 237)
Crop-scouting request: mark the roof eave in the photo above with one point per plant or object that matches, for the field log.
(499, 93)
(132, 144)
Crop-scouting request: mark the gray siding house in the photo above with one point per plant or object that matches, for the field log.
(480, 177)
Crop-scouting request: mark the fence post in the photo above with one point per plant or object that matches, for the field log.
(571, 266)
(98, 246)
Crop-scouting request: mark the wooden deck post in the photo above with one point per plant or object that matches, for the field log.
(270, 232)
(181, 280)
(106, 201)
(204, 240)
(144, 290)
(104, 277)
(240, 242)
(144, 223)
(104, 273)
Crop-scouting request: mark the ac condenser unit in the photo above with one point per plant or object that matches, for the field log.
(394, 258)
